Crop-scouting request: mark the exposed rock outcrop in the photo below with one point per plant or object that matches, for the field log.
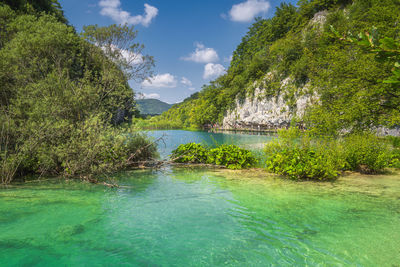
(269, 113)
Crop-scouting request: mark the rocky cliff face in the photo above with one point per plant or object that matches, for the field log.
(269, 113)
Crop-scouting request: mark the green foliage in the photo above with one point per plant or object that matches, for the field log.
(59, 97)
(37, 7)
(118, 44)
(298, 157)
(387, 50)
(190, 153)
(97, 148)
(365, 153)
(394, 141)
(152, 106)
(156, 123)
(306, 156)
(348, 79)
(230, 156)
(395, 158)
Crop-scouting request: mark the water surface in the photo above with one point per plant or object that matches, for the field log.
(172, 138)
(202, 217)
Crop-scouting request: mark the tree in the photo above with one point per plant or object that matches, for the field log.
(58, 97)
(51, 7)
(118, 43)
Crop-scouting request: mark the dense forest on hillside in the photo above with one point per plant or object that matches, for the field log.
(316, 45)
(63, 94)
(152, 106)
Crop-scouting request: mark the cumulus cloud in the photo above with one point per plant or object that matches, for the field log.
(165, 80)
(246, 11)
(112, 9)
(186, 81)
(203, 54)
(212, 70)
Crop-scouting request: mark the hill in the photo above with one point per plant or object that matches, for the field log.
(300, 67)
(152, 106)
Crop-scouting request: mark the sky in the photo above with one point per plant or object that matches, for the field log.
(191, 40)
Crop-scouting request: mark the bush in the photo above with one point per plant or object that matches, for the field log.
(303, 158)
(97, 148)
(395, 158)
(365, 153)
(230, 156)
(90, 148)
(300, 156)
(394, 141)
(190, 153)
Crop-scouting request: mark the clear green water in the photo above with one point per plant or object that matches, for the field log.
(173, 138)
(202, 217)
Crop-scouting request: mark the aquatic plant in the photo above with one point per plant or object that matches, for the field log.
(190, 153)
(230, 156)
(298, 156)
(365, 153)
(301, 155)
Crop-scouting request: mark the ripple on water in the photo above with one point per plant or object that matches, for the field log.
(197, 216)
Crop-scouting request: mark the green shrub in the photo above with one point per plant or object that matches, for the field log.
(394, 161)
(190, 153)
(96, 148)
(232, 157)
(301, 156)
(394, 141)
(303, 159)
(92, 147)
(365, 153)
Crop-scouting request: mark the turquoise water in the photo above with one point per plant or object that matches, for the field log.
(202, 217)
(172, 138)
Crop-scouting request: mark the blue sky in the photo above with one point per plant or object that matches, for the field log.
(191, 40)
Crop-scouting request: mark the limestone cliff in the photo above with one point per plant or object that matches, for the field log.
(261, 112)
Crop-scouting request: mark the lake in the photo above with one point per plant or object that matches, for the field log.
(192, 216)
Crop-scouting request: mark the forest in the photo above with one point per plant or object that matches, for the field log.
(65, 96)
(344, 52)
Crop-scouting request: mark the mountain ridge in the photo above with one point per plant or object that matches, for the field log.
(152, 106)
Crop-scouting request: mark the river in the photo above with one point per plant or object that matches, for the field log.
(190, 216)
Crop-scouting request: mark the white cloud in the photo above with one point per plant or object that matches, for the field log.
(246, 11)
(186, 81)
(112, 9)
(202, 54)
(151, 95)
(165, 80)
(212, 70)
(192, 88)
